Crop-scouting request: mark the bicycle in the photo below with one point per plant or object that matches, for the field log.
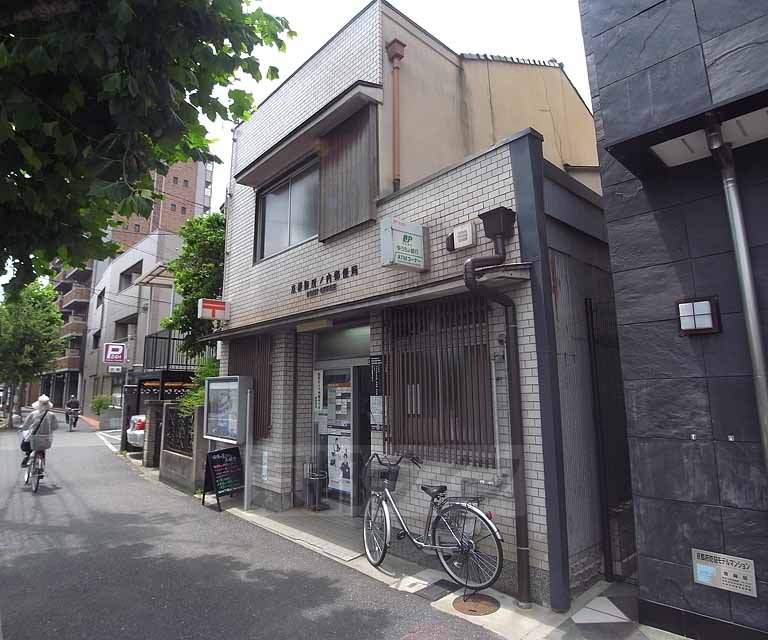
(72, 417)
(35, 470)
(466, 541)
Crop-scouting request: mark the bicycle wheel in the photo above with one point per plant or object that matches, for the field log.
(477, 557)
(376, 529)
(37, 473)
(28, 472)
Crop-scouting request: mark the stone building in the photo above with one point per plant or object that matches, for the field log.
(680, 89)
(387, 138)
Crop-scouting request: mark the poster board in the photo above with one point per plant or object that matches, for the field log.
(227, 413)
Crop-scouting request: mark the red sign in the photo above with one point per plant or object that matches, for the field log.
(115, 353)
(209, 309)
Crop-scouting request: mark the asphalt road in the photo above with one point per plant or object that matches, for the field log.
(100, 552)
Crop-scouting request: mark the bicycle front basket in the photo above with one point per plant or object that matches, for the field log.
(378, 473)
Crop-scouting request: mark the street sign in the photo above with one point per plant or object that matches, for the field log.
(209, 309)
(115, 353)
(115, 369)
(404, 245)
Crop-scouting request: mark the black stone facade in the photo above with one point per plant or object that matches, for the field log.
(698, 475)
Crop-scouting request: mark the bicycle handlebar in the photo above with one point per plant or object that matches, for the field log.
(387, 463)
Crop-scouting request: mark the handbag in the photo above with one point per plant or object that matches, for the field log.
(26, 444)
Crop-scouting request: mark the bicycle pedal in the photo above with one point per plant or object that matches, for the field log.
(401, 535)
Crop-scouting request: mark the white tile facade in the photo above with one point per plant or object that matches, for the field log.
(354, 54)
(262, 292)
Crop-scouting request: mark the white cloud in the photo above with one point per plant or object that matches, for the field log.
(539, 30)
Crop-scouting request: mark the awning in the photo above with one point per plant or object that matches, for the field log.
(160, 277)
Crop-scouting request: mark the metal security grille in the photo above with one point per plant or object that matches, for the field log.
(438, 381)
(253, 357)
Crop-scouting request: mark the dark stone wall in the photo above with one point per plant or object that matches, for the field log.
(654, 62)
(669, 239)
(698, 475)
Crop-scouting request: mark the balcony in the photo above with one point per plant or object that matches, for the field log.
(161, 352)
(74, 327)
(75, 300)
(80, 274)
(70, 361)
(60, 283)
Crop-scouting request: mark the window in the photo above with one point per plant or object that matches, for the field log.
(129, 276)
(175, 180)
(288, 212)
(438, 381)
(186, 183)
(137, 227)
(183, 211)
(125, 328)
(173, 207)
(96, 339)
(100, 299)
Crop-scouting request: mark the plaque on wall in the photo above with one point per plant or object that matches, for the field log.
(724, 572)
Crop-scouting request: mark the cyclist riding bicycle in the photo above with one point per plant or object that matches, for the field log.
(73, 404)
(38, 428)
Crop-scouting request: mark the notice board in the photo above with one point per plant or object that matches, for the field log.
(223, 473)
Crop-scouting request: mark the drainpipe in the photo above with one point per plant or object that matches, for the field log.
(504, 219)
(395, 53)
(294, 421)
(723, 155)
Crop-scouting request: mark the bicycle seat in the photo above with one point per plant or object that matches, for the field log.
(434, 490)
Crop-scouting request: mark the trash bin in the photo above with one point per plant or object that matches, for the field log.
(314, 481)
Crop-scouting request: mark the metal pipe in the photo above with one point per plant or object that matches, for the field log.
(723, 155)
(293, 426)
(395, 53)
(515, 405)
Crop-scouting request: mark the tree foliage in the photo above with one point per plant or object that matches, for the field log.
(195, 397)
(198, 273)
(29, 334)
(96, 97)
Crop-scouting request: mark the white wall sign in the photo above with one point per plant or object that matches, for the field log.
(115, 369)
(404, 245)
(724, 572)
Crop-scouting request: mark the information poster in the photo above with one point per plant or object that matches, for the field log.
(377, 412)
(340, 461)
(222, 410)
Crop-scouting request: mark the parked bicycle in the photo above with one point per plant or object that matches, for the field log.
(35, 470)
(466, 541)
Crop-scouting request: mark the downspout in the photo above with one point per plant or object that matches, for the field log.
(516, 420)
(723, 155)
(395, 53)
(294, 421)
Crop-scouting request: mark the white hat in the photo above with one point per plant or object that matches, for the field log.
(43, 400)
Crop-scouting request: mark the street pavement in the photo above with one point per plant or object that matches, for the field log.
(101, 552)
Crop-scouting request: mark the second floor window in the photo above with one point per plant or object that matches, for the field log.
(287, 214)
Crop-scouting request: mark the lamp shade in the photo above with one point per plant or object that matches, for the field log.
(499, 222)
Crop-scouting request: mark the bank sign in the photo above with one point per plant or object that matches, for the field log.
(404, 245)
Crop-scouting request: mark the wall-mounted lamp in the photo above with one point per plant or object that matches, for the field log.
(697, 316)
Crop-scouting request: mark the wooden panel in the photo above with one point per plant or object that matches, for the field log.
(253, 357)
(349, 174)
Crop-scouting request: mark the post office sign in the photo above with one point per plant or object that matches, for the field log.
(404, 245)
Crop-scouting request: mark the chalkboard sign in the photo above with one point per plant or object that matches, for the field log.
(223, 473)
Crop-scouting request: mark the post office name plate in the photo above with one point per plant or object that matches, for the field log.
(724, 572)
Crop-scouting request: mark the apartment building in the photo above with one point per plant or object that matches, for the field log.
(187, 192)
(411, 237)
(680, 89)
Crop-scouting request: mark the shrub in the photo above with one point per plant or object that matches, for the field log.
(99, 403)
(195, 397)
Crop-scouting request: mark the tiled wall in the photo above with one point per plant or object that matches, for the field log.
(261, 292)
(353, 54)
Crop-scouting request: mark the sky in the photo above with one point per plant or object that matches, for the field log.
(538, 29)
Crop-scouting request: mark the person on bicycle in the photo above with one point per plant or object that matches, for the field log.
(38, 428)
(72, 404)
